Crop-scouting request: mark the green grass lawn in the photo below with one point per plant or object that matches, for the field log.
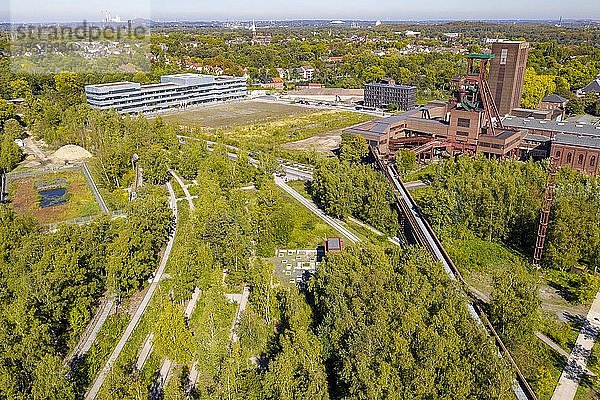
(263, 126)
(309, 231)
(234, 114)
(267, 135)
(300, 187)
(365, 234)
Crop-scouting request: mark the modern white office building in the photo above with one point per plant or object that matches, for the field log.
(174, 91)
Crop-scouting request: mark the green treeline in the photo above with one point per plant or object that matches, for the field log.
(345, 187)
(10, 129)
(394, 325)
(500, 201)
(50, 282)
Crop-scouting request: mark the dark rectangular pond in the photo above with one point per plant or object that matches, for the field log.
(53, 197)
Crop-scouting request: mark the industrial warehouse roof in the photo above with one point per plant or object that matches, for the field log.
(554, 126)
(579, 141)
(381, 126)
(536, 138)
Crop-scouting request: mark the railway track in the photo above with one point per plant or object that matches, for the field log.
(425, 236)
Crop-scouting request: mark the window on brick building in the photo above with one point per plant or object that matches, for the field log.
(464, 122)
(593, 161)
(569, 157)
(503, 56)
(580, 160)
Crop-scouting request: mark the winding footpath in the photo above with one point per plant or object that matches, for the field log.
(185, 189)
(93, 391)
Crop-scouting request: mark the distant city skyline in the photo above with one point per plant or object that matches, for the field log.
(227, 10)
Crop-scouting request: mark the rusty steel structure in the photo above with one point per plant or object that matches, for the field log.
(472, 93)
(545, 213)
(475, 84)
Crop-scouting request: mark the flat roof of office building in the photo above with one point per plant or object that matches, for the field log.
(377, 84)
(166, 81)
(113, 84)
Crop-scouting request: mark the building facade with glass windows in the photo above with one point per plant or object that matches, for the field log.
(173, 91)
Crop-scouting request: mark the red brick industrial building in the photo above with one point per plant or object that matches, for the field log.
(477, 119)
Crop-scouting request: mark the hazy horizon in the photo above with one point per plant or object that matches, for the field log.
(30, 11)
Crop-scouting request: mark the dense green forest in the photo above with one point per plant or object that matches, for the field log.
(500, 201)
(394, 325)
(343, 186)
(50, 283)
(372, 322)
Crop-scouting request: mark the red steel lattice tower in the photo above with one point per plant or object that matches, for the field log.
(545, 215)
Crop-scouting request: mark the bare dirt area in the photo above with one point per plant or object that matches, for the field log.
(233, 114)
(322, 143)
(553, 302)
(70, 153)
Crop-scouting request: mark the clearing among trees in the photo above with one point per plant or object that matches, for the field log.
(52, 197)
(323, 143)
(228, 115)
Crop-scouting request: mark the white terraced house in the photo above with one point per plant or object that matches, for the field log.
(174, 91)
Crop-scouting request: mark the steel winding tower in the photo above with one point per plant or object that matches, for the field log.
(474, 90)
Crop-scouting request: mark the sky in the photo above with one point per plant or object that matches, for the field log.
(227, 10)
